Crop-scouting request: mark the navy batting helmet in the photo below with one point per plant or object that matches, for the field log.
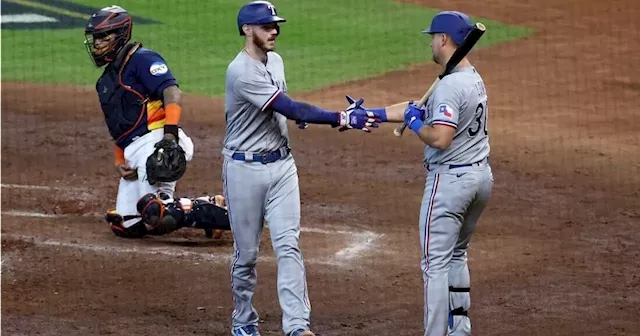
(455, 24)
(257, 12)
(107, 21)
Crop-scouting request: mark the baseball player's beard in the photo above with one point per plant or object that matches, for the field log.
(262, 44)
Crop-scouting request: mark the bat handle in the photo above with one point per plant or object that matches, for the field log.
(400, 128)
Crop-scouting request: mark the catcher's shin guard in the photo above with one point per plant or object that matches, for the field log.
(167, 215)
(206, 214)
(115, 220)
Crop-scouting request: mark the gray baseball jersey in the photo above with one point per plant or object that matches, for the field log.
(459, 100)
(250, 88)
(256, 191)
(453, 200)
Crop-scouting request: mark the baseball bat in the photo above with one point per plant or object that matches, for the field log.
(457, 56)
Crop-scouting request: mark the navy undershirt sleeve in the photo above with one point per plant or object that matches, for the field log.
(301, 111)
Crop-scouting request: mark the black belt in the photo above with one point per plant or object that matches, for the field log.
(459, 165)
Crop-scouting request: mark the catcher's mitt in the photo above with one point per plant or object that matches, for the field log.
(167, 163)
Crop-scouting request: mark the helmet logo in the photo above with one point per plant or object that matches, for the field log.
(272, 8)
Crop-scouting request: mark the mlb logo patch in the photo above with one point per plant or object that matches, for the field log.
(446, 111)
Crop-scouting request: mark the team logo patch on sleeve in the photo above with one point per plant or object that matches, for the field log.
(158, 69)
(446, 111)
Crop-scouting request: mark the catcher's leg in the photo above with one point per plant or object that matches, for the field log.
(124, 219)
(164, 214)
(135, 230)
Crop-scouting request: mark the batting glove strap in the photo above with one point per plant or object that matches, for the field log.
(415, 125)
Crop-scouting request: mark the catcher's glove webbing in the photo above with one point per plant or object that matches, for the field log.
(167, 163)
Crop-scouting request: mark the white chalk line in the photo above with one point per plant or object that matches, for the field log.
(17, 213)
(89, 246)
(358, 244)
(38, 187)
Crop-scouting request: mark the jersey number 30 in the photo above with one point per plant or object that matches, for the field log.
(481, 122)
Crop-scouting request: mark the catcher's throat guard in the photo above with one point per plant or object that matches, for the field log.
(167, 163)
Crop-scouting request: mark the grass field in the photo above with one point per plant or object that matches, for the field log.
(322, 43)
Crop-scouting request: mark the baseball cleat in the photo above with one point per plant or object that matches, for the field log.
(249, 330)
(301, 332)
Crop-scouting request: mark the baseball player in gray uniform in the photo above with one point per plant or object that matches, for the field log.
(259, 173)
(453, 126)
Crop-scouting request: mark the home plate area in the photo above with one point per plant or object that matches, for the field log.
(320, 246)
(339, 246)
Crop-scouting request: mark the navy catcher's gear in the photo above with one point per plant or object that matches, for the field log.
(455, 24)
(165, 214)
(109, 20)
(137, 230)
(257, 12)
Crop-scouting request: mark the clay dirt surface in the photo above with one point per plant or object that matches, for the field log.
(555, 253)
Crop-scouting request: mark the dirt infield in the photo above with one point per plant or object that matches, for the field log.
(556, 253)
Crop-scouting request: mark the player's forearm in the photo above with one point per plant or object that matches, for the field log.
(432, 136)
(395, 113)
(392, 113)
(172, 109)
(301, 111)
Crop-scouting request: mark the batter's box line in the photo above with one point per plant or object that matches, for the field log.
(359, 243)
(40, 187)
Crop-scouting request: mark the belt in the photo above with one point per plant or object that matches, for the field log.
(262, 157)
(438, 166)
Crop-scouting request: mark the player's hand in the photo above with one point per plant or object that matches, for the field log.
(168, 142)
(127, 172)
(413, 113)
(357, 117)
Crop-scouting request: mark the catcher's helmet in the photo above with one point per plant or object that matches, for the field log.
(109, 20)
(455, 24)
(257, 12)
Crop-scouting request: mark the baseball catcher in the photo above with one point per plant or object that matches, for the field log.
(140, 100)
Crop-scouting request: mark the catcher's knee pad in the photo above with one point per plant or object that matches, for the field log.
(115, 220)
(459, 304)
(161, 213)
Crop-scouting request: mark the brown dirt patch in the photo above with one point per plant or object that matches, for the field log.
(555, 253)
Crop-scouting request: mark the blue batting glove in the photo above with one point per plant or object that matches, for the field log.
(355, 116)
(414, 117)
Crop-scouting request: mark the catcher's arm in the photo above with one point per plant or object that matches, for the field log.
(171, 99)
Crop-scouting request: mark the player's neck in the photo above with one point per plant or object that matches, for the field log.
(256, 53)
(464, 63)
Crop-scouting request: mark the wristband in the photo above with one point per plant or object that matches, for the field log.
(171, 129)
(416, 125)
(382, 112)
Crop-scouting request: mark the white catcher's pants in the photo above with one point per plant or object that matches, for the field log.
(135, 155)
